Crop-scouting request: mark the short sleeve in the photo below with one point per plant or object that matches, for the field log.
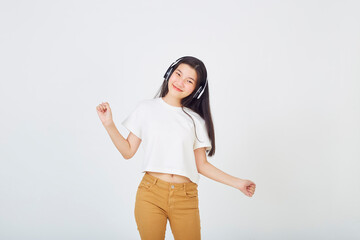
(202, 139)
(133, 122)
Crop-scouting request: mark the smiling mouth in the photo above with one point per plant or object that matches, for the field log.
(177, 88)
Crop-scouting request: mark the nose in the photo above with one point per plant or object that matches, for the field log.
(181, 82)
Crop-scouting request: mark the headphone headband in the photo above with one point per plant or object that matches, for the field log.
(170, 70)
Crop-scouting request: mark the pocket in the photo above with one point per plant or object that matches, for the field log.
(191, 193)
(145, 184)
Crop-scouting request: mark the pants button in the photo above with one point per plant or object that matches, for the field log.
(172, 186)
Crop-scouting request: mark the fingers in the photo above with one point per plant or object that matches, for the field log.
(250, 193)
(103, 106)
(248, 188)
(251, 189)
(100, 108)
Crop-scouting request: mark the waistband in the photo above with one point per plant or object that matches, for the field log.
(164, 184)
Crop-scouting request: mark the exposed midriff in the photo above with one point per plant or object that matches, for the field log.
(173, 178)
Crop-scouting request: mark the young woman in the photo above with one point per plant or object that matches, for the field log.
(177, 133)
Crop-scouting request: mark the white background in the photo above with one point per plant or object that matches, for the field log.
(284, 82)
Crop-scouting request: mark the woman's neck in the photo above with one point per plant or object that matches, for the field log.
(176, 102)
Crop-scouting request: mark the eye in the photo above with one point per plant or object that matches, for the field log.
(178, 74)
(190, 81)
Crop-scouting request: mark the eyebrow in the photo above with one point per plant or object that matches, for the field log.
(189, 77)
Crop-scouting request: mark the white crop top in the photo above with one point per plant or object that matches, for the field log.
(168, 137)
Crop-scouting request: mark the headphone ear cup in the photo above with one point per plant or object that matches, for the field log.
(200, 93)
(167, 74)
(197, 92)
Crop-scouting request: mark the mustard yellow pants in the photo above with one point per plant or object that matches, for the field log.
(158, 200)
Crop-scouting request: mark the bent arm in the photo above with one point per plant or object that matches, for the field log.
(127, 147)
(210, 171)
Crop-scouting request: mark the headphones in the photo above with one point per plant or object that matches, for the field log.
(170, 70)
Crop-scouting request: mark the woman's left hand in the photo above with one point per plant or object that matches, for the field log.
(245, 186)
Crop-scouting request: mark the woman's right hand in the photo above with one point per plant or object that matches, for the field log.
(104, 112)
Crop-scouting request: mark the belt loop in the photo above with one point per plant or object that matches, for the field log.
(155, 180)
(184, 187)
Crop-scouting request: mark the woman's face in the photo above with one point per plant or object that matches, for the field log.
(182, 81)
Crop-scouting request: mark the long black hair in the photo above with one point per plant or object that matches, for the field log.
(201, 105)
